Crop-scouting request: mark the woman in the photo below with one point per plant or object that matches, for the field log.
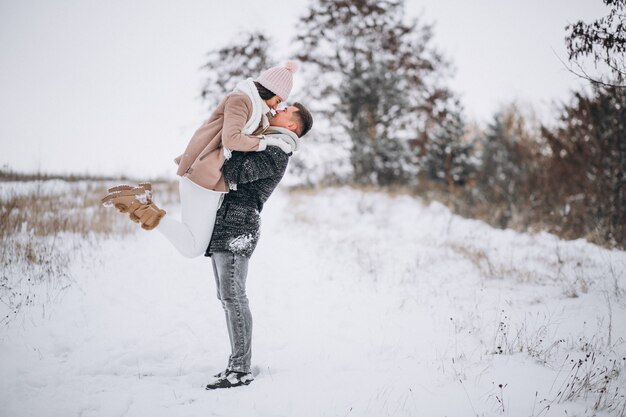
(235, 125)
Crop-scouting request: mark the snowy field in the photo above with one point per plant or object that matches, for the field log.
(364, 304)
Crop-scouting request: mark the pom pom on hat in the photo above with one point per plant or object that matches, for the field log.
(292, 66)
(279, 80)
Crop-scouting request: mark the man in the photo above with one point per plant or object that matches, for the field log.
(252, 177)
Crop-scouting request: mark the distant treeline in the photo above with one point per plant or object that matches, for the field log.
(568, 179)
(8, 174)
(385, 117)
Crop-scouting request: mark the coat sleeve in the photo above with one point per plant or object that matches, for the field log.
(243, 168)
(235, 117)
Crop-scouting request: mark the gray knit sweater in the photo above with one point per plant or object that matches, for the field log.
(237, 224)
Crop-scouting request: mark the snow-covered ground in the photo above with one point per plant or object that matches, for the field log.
(364, 304)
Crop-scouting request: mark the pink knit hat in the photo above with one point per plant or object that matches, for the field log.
(279, 80)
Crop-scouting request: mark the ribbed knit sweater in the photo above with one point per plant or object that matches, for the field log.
(237, 224)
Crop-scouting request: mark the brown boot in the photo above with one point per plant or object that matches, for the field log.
(127, 200)
(146, 186)
(149, 215)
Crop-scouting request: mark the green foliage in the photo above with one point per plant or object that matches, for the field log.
(507, 175)
(588, 164)
(449, 156)
(379, 79)
(569, 179)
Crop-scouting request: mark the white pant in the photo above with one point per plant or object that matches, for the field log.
(191, 235)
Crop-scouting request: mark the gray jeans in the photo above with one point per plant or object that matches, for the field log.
(230, 278)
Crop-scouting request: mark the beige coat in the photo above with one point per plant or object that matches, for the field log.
(204, 156)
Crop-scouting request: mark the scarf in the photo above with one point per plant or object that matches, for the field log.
(286, 135)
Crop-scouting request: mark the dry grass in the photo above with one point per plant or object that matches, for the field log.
(44, 224)
(42, 213)
(523, 216)
(596, 376)
(593, 369)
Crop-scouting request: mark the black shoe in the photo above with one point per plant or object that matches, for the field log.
(230, 379)
(222, 374)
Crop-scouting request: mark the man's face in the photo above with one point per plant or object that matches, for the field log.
(284, 118)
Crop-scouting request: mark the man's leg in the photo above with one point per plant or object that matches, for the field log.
(230, 275)
(216, 274)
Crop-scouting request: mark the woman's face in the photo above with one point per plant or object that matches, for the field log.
(273, 102)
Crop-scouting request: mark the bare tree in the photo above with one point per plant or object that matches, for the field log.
(604, 40)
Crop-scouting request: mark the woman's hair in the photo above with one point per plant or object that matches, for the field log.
(264, 92)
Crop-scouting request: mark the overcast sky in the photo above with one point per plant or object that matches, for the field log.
(111, 87)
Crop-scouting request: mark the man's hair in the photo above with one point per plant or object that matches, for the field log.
(303, 118)
(263, 92)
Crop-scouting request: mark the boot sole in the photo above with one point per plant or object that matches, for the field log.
(122, 187)
(243, 384)
(123, 193)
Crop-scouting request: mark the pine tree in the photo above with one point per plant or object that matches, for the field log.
(378, 80)
(588, 165)
(449, 155)
(245, 57)
(507, 178)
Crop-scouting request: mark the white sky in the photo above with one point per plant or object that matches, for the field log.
(111, 87)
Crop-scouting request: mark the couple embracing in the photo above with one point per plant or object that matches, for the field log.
(230, 167)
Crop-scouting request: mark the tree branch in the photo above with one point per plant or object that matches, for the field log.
(584, 74)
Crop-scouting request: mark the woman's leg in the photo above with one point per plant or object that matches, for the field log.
(191, 235)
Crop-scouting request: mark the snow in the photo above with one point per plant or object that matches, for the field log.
(44, 188)
(364, 304)
(241, 243)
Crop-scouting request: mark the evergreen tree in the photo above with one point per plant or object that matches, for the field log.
(449, 156)
(588, 164)
(507, 178)
(245, 57)
(378, 79)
